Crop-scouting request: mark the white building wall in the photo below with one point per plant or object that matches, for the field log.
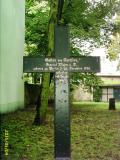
(12, 24)
(104, 94)
(82, 94)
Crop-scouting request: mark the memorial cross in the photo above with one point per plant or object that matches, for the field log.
(61, 65)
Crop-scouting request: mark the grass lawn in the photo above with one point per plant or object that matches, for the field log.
(95, 133)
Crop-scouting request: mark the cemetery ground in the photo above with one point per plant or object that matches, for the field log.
(95, 133)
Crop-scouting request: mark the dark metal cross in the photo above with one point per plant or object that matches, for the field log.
(62, 64)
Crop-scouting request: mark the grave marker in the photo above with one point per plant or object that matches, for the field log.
(61, 65)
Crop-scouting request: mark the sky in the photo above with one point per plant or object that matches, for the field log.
(107, 67)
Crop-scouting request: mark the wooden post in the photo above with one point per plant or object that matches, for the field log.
(112, 104)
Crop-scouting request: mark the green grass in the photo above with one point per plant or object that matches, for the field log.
(94, 105)
(95, 133)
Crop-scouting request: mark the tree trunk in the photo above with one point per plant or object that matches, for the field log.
(41, 109)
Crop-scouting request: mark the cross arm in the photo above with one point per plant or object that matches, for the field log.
(72, 64)
(37, 64)
(85, 64)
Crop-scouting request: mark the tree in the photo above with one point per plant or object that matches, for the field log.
(114, 45)
(85, 18)
(42, 108)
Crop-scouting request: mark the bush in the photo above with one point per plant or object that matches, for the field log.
(97, 94)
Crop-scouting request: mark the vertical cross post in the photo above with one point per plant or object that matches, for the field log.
(62, 110)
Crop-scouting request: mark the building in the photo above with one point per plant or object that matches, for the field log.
(110, 88)
(12, 24)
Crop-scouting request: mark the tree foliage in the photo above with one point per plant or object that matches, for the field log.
(36, 36)
(89, 80)
(114, 45)
(86, 20)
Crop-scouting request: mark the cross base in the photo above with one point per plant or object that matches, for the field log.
(63, 158)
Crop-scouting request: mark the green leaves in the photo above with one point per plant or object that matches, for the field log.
(36, 37)
(87, 16)
(88, 79)
(114, 45)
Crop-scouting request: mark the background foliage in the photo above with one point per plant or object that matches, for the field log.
(90, 23)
